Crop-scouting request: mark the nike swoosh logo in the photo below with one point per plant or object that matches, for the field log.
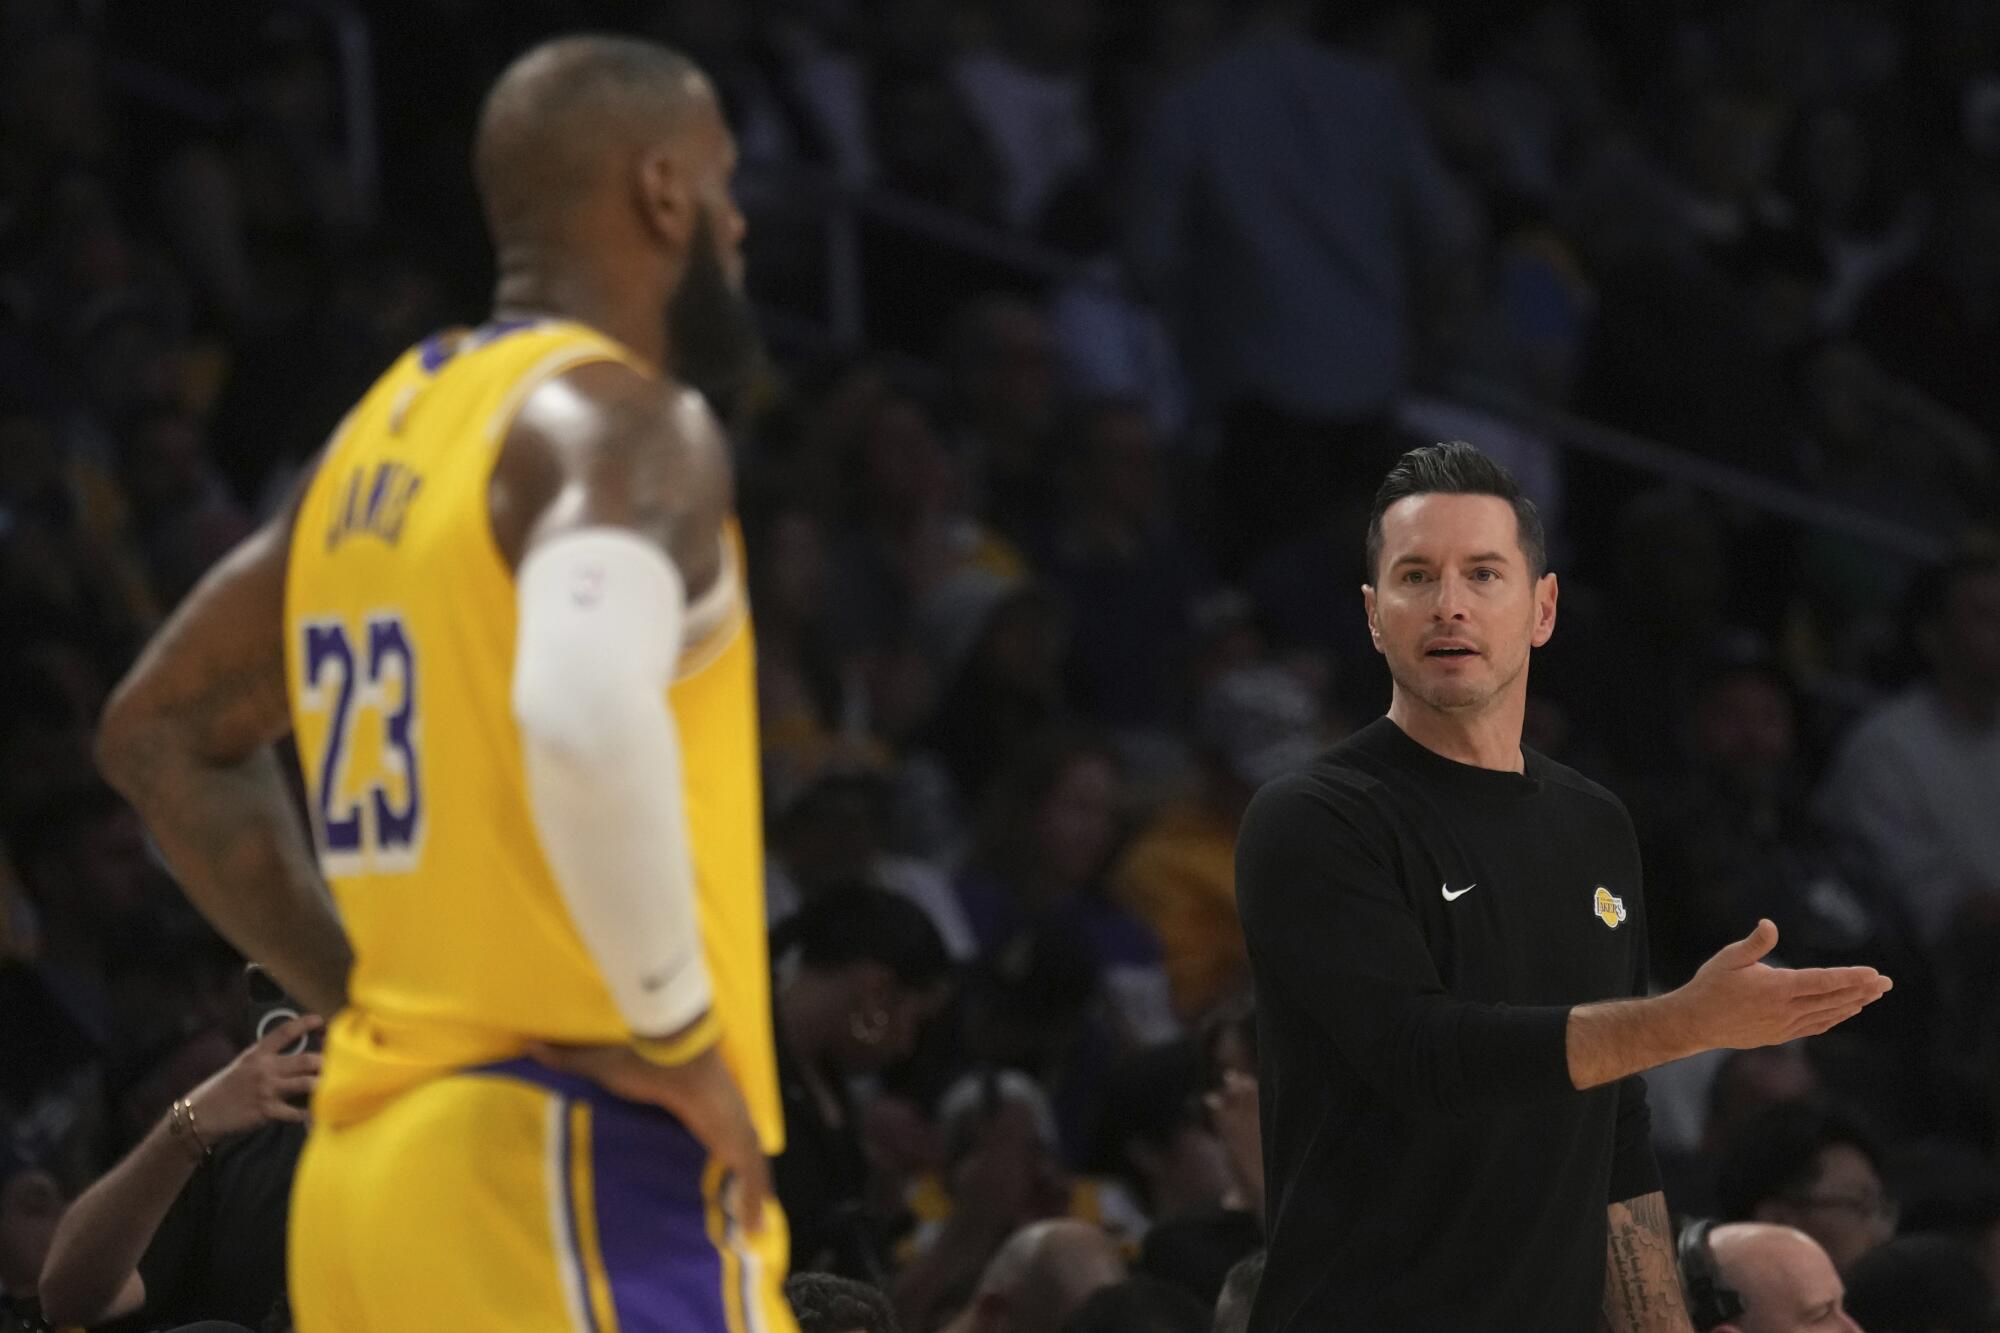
(1451, 897)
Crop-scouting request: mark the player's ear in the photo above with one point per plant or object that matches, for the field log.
(663, 190)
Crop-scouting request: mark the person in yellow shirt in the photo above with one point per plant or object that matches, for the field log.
(504, 619)
(1179, 874)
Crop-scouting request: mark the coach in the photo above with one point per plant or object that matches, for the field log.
(1444, 927)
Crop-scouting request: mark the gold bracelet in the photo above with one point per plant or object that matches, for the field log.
(703, 1033)
(180, 1120)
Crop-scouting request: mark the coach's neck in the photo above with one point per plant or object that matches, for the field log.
(1487, 735)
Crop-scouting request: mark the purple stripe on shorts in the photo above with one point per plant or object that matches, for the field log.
(652, 1223)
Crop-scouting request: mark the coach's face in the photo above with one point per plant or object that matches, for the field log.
(1456, 605)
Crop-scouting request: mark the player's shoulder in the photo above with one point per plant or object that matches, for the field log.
(610, 404)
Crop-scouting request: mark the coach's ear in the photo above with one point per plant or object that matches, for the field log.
(1545, 610)
(1368, 605)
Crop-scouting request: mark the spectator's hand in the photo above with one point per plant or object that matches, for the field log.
(900, 1144)
(257, 1087)
(1233, 1107)
(995, 1183)
(1739, 1002)
(701, 1094)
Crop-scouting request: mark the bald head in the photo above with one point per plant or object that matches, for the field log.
(1046, 1270)
(1785, 1279)
(570, 120)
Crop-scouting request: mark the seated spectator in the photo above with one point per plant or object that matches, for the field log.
(1253, 724)
(1124, 570)
(1741, 842)
(1003, 404)
(1044, 846)
(1783, 1279)
(1812, 1168)
(823, 1303)
(31, 1204)
(829, 809)
(906, 528)
(995, 646)
(1699, 1103)
(1139, 1304)
(803, 690)
(1949, 1189)
(1153, 1138)
(1040, 1277)
(52, 1077)
(1229, 1057)
(1748, 1083)
(1036, 1007)
(1239, 1294)
(1916, 784)
(1921, 1284)
(1000, 1171)
(860, 971)
(191, 1225)
(101, 901)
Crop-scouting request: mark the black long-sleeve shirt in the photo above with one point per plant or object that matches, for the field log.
(1418, 930)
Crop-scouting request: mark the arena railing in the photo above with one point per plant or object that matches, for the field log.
(845, 208)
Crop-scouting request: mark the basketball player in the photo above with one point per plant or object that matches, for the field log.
(505, 620)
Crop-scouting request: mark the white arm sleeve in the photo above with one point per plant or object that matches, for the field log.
(601, 616)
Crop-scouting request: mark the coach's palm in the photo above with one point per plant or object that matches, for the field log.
(1738, 1001)
(701, 1094)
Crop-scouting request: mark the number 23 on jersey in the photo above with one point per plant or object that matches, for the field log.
(360, 742)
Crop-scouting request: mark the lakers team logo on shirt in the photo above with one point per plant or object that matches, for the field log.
(1609, 909)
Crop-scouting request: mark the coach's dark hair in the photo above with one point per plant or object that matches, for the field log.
(1456, 468)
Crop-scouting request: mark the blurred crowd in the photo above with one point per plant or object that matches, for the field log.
(1060, 562)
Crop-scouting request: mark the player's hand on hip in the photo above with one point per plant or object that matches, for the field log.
(1738, 1001)
(259, 1086)
(701, 1094)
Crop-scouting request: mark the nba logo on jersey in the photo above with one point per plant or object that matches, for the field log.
(1609, 909)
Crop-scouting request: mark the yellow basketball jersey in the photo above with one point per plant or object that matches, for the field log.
(400, 626)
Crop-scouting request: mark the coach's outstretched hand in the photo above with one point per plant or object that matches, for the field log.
(700, 1093)
(1738, 1001)
(1735, 1001)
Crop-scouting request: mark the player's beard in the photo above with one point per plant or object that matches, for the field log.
(710, 326)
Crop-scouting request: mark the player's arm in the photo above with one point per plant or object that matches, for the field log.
(603, 582)
(187, 738)
(1642, 1287)
(610, 499)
